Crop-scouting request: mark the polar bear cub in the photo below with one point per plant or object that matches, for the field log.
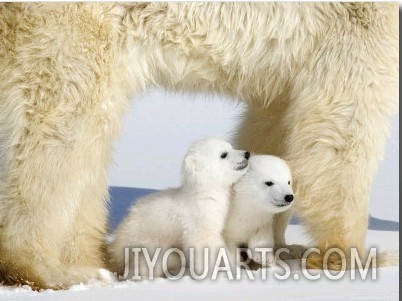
(264, 191)
(190, 216)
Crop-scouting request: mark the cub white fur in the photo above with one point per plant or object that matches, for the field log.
(191, 215)
(264, 191)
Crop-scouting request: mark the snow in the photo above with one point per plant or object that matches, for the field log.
(271, 289)
(299, 287)
(173, 121)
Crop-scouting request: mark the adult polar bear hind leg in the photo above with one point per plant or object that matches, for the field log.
(320, 80)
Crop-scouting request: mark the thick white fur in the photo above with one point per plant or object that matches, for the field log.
(320, 81)
(250, 221)
(190, 216)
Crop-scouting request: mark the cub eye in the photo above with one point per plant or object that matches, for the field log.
(224, 155)
(289, 183)
(269, 183)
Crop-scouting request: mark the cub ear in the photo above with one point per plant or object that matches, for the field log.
(192, 163)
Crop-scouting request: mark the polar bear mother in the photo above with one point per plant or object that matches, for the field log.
(320, 81)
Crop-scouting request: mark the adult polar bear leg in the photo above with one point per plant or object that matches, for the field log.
(339, 128)
(36, 234)
(52, 234)
(332, 166)
(337, 131)
(57, 123)
(332, 127)
(263, 131)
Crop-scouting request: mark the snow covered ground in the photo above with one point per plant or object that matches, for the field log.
(295, 287)
(148, 155)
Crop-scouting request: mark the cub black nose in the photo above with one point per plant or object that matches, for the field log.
(289, 198)
(247, 155)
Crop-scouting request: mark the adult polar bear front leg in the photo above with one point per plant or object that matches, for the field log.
(56, 126)
(44, 205)
(263, 131)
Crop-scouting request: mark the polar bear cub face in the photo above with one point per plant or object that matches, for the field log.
(267, 184)
(215, 162)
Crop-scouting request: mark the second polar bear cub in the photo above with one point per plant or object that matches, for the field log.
(190, 216)
(264, 191)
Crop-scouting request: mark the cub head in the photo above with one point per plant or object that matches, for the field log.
(267, 185)
(214, 162)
